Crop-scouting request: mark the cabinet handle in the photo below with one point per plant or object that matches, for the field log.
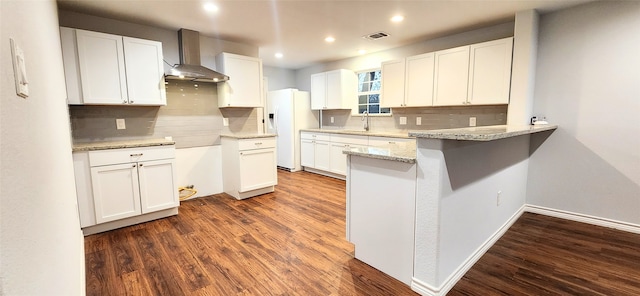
(136, 154)
(124, 102)
(134, 166)
(258, 143)
(130, 102)
(140, 164)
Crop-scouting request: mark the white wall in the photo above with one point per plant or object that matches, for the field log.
(201, 167)
(41, 245)
(279, 78)
(588, 77)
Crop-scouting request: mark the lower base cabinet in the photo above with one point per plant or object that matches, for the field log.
(249, 166)
(117, 184)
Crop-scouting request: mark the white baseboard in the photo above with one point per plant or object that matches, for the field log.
(426, 289)
(609, 223)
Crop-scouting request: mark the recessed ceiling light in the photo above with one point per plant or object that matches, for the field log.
(329, 39)
(397, 18)
(279, 55)
(362, 51)
(210, 7)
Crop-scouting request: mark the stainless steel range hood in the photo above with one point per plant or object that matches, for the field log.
(189, 67)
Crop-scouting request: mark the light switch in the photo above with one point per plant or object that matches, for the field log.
(403, 120)
(225, 121)
(332, 119)
(19, 70)
(120, 124)
(472, 121)
(418, 120)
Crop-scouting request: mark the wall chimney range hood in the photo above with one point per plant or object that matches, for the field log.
(189, 67)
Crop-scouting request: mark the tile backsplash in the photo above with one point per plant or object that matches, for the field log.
(191, 117)
(431, 117)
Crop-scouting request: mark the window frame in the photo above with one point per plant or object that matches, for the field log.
(370, 92)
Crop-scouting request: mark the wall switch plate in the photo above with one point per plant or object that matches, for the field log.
(498, 197)
(332, 119)
(472, 121)
(403, 120)
(418, 120)
(225, 121)
(19, 70)
(120, 124)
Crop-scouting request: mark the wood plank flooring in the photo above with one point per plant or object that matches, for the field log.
(541, 255)
(292, 242)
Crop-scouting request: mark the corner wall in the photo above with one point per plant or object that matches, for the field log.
(41, 245)
(588, 72)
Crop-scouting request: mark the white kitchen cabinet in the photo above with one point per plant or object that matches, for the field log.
(490, 72)
(339, 142)
(384, 141)
(121, 187)
(451, 77)
(244, 87)
(335, 89)
(393, 81)
(107, 69)
(249, 166)
(408, 82)
(322, 152)
(307, 153)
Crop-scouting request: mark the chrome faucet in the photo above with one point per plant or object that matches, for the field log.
(365, 119)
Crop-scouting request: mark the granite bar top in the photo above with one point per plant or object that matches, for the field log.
(121, 144)
(482, 133)
(402, 152)
(247, 136)
(389, 134)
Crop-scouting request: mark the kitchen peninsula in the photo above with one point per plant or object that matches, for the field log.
(425, 214)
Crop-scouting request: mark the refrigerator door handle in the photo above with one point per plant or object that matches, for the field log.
(275, 120)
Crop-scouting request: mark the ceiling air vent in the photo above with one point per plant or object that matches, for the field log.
(376, 36)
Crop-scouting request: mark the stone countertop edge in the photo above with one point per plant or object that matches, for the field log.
(121, 144)
(360, 133)
(402, 152)
(247, 136)
(482, 133)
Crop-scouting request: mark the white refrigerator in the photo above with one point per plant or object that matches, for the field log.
(288, 111)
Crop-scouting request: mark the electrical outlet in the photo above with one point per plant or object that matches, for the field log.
(472, 121)
(332, 119)
(403, 120)
(498, 197)
(418, 120)
(120, 124)
(225, 121)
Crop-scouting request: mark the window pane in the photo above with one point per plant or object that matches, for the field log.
(374, 109)
(361, 77)
(364, 87)
(362, 108)
(385, 110)
(362, 99)
(375, 85)
(377, 75)
(374, 99)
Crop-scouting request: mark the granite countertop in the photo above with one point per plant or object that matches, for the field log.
(360, 133)
(247, 136)
(121, 144)
(403, 152)
(482, 133)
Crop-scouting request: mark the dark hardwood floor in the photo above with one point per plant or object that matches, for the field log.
(291, 242)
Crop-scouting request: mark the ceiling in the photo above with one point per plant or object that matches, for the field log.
(297, 28)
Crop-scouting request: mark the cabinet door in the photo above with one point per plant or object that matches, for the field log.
(490, 72)
(451, 76)
(102, 70)
(145, 73)
(158, 189)
(393, 81)
(307, 154)
(318, 91)
(418, 91)
(258, 169)
(322, 156)
(244, 88)
(115, 191)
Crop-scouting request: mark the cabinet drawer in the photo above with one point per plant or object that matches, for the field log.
(258, 143)
(316, 136)
(380, 141)
(115, 156)
(350, 139)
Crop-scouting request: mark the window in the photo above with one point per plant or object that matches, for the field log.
(369, 93)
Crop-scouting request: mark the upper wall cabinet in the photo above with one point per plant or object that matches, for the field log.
(490, 72)
(478, 74)
(244, 87)
(106, 69)
(334, 90)
(408, 82)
